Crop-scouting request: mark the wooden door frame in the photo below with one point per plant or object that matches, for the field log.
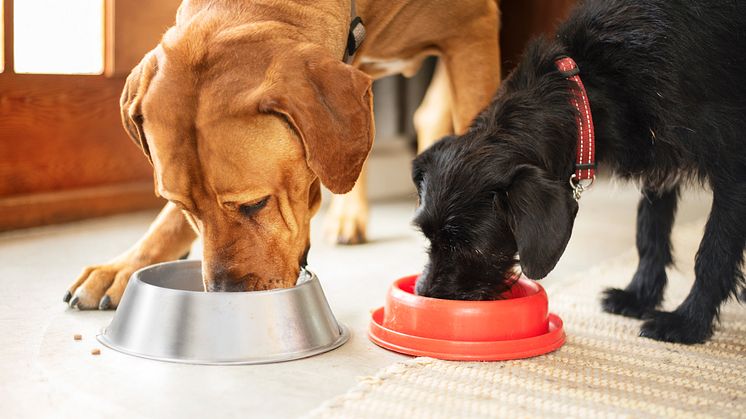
(8, 35)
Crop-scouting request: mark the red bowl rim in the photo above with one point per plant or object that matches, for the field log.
(395, 290)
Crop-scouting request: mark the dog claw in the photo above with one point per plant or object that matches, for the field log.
(105, 303)
(74, 302)
(67, 297)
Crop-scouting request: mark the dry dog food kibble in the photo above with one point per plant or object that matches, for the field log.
(95, 351)
(77, 337)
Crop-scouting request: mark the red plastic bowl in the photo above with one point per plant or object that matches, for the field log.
(519, 326)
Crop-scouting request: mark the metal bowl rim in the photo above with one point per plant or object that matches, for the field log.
(136, 278)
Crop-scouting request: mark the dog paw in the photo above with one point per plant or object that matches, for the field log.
(100, 287)
(346, 220)
(625, 303)
(674, 327)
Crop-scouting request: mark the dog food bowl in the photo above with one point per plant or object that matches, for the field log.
(165, 315)
(518, 326)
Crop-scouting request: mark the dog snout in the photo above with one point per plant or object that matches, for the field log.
(433, 282)
(464, 280)
(224, 280)
(226, 286)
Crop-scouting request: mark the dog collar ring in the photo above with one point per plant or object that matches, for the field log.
(580, 185)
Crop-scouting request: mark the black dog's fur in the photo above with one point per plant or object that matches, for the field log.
(666, 81)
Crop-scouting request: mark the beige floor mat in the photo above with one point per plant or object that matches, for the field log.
(604, 369)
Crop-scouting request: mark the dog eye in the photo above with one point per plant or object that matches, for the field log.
(249, 210)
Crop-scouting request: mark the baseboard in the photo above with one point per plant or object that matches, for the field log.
(69, 205)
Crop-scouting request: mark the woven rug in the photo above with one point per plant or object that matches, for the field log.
(604, 369)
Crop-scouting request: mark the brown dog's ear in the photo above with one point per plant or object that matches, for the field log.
(130, 104)
(542, 213)
(330, 106)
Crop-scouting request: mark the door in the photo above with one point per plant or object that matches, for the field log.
(63, 152)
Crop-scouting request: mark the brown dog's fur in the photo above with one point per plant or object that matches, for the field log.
(244, 100)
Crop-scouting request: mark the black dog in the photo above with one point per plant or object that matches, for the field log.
(666, 83)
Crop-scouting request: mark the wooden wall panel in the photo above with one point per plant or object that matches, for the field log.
(524, 19)
(63, 132)
(134, 27)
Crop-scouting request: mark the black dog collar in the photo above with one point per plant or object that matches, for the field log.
(355, 35)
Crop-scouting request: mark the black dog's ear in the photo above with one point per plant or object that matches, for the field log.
(542, 212)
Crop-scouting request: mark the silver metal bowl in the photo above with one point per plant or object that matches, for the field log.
(165, 315)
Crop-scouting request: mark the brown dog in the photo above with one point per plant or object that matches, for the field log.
(246, 107)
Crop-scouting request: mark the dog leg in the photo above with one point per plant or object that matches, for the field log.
(718, 271)
(101, 286)
(347, 216)
(655, 217)
(473, 68)
(434, 118)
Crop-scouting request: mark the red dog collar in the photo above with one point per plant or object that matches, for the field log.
(585, 162)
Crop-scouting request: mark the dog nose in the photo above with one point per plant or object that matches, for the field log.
(219, 279)
(225, 286)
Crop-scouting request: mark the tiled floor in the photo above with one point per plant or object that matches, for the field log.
(45, 373)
